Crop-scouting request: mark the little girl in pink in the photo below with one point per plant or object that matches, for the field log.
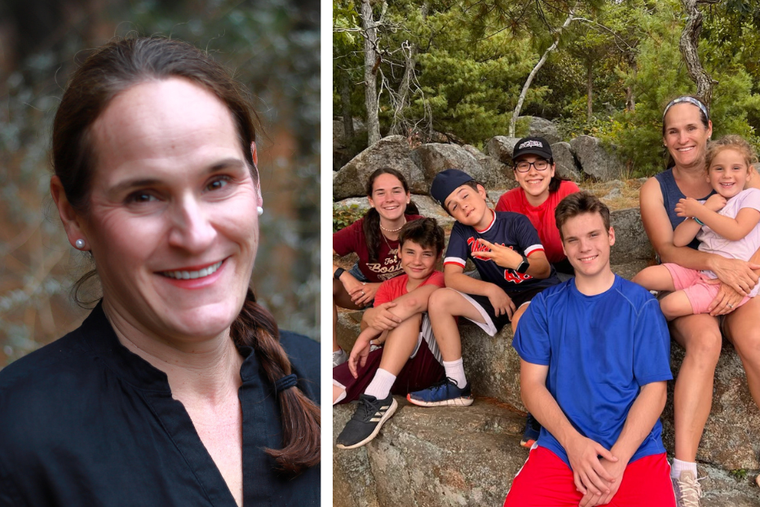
(726, 224)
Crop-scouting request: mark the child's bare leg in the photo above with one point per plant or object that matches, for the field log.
(337, 392)
(444, 306)
(654, 278)
(676, 304)
(400, 344)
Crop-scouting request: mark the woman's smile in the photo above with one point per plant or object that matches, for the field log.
(193, 273)
(172, 223)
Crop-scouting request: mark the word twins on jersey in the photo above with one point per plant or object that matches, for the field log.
(512, 230)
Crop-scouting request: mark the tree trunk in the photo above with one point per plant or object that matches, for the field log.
(402, 100)
(409, 50)
(532, 75)
(345, 103)
(630, 96)
(371, 60)
(589, 92)
(688, 44)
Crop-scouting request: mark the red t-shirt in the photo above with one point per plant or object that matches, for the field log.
(542, 217)
(396, 287)
(351, 239)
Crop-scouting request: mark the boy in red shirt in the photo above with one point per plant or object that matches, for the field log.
(410, 358)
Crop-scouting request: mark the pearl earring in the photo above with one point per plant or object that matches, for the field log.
(259, 210)
(79, 243)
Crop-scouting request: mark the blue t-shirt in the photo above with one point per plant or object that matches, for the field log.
(508, 229)
(600, 350)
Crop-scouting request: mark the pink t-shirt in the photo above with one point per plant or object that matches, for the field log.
(542, 217)
(396, 287)
(742, 249)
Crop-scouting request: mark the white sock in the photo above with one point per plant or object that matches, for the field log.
(455, 371)
(381, 384)
(680, 466)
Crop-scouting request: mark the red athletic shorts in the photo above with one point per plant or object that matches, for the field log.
(546, 481)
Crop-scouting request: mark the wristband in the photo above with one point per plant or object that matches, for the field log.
(338, 272)
(700, 222)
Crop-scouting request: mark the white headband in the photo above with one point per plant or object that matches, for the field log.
(690, 100)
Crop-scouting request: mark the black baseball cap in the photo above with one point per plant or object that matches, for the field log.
(532, 146)
(446, 182)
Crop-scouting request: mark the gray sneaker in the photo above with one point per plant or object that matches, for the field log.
(687, 490)
(339, 357)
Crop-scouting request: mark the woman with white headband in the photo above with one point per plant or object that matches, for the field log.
(686, 130)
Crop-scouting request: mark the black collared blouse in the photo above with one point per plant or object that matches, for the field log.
(85, 422)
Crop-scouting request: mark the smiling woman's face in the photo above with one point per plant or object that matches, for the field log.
(172, 222)
(685, 136)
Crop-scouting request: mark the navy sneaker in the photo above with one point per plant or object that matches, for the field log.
(369, 417)
(445, 392)
(532, 430)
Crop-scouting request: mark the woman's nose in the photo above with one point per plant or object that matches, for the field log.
(190, 228)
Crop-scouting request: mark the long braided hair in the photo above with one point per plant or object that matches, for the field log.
(116, 67)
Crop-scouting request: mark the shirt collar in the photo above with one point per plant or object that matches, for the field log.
(102, 342)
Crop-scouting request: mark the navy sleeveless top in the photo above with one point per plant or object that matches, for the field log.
(671, 194)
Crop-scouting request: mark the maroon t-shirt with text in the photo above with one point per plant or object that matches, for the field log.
(352, 240)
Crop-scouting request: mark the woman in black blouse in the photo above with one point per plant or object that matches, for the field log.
(178, 389)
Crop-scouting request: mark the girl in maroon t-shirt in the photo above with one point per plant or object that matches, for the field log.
(374, 239)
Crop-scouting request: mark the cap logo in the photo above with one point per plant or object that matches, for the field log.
(530, 144)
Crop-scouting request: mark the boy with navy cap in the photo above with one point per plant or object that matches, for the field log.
(513, 268)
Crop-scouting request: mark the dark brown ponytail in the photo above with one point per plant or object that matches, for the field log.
(555, 182)
(255, 327)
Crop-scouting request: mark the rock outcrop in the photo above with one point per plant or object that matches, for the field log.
(454, 457)
(595, 159)
(564, 161)
(541, 127)
(393, 152)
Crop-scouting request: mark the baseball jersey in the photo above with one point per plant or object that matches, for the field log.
(352, 239)
(507, 229)
(600, 350)
(541, 216)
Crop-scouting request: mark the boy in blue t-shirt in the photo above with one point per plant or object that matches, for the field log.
(595, 361)
(513, 268)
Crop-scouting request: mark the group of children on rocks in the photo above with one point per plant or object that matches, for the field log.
(594, 347)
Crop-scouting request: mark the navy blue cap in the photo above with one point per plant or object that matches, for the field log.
(446, 182)
(532, 146)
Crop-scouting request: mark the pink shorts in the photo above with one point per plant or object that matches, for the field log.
(546, 481)
(695, 286)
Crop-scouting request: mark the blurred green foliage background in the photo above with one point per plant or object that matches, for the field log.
(272, 46)
(615, 67)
